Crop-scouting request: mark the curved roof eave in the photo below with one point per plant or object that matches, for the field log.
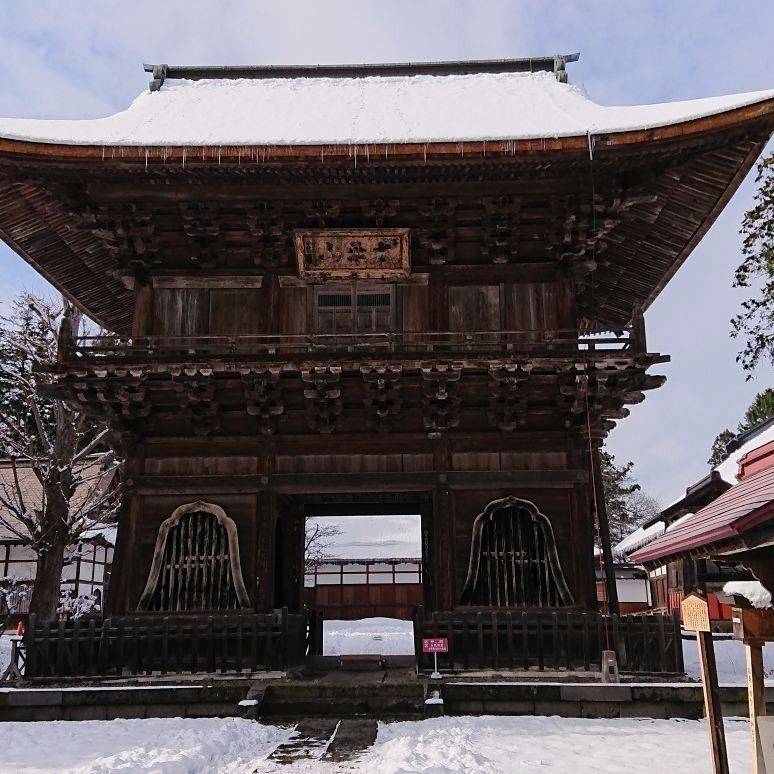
(494, 147)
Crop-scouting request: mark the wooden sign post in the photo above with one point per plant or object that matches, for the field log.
(755, 627)
(695, 614)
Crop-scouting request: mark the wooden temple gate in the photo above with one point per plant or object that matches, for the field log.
(393, 324)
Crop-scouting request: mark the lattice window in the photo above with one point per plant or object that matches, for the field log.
(513, 559)
(342, 311)
(196, 563)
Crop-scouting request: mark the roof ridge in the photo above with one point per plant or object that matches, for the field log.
(555, 64)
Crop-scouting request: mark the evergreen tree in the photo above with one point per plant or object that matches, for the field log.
(627, 505)
(755, 324)
(761, 408)
(719, 453)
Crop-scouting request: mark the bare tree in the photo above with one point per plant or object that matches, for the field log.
(318, 538)
(58, 468)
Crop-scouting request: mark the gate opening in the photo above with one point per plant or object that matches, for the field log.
(364, 574)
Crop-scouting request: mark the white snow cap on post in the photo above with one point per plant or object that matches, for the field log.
(361, 110)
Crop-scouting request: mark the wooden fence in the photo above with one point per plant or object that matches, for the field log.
(560, 640)
(161, 645)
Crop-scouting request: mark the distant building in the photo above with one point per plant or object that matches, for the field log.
(632, 585)
(87, 563)
(675, 574)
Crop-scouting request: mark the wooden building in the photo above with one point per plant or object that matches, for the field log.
(736, 528)
(674, 578)
(362, 289)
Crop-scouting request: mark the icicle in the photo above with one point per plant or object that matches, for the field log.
(146, 159)
(355, 155)
(424, 151)
(591, 142)
(103, 152)
(368, 153)
(218, 154)
(184, 150)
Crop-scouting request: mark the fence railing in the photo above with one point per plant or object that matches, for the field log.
(170, 348)
(160, 645)
(561, 640)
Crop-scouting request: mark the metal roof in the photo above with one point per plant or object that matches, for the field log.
(744, 507)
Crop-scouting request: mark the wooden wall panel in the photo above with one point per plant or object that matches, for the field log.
(414, 300)
(201, 466)
(181, 311)
(533, 306)
(474, 308)
(237, 311)
(293, 312)
(354, 463)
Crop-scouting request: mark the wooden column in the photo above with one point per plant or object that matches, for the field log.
(712, 708)
(604, 536)
(753, 650)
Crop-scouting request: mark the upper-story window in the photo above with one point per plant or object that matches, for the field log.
(354, 311)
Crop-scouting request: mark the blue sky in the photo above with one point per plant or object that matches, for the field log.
(82, 59)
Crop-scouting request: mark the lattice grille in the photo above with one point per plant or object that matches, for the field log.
(194, 567)
(513, 559)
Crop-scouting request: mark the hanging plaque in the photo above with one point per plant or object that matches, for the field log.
(370, 253)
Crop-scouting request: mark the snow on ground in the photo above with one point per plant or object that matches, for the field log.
(158, 745)
(730, 658)
(384, 636)
(449, 745)
(5, 651)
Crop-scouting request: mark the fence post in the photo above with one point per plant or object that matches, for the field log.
(678, 642)
(284, 639)
(419, 632)
(30, 657)
(618, 643)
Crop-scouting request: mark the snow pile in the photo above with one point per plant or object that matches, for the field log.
(753, 591)
(395, 109)
(729, 468)
(485, 745)
(730, 658)
(158, 745)
(381, 636)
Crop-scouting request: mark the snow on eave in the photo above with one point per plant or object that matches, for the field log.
(753, 591)
(639, 538)
(729, 468)
(365, 110)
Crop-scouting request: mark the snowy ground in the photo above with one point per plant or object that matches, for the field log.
(5, 651)
(452, 745)
(384, 636)
(730, 658)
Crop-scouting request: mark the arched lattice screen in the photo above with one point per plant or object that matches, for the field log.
(195, 563)
(513, 559)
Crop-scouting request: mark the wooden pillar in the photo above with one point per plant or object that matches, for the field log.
(753, 651)
(604, 536)
(709, 677)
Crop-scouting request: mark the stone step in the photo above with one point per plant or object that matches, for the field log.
(310, 740)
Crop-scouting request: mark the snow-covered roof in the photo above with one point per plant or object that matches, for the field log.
(640, 537)
(729, 468)
(363, 110)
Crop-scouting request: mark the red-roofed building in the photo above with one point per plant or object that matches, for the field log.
(736, 527)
